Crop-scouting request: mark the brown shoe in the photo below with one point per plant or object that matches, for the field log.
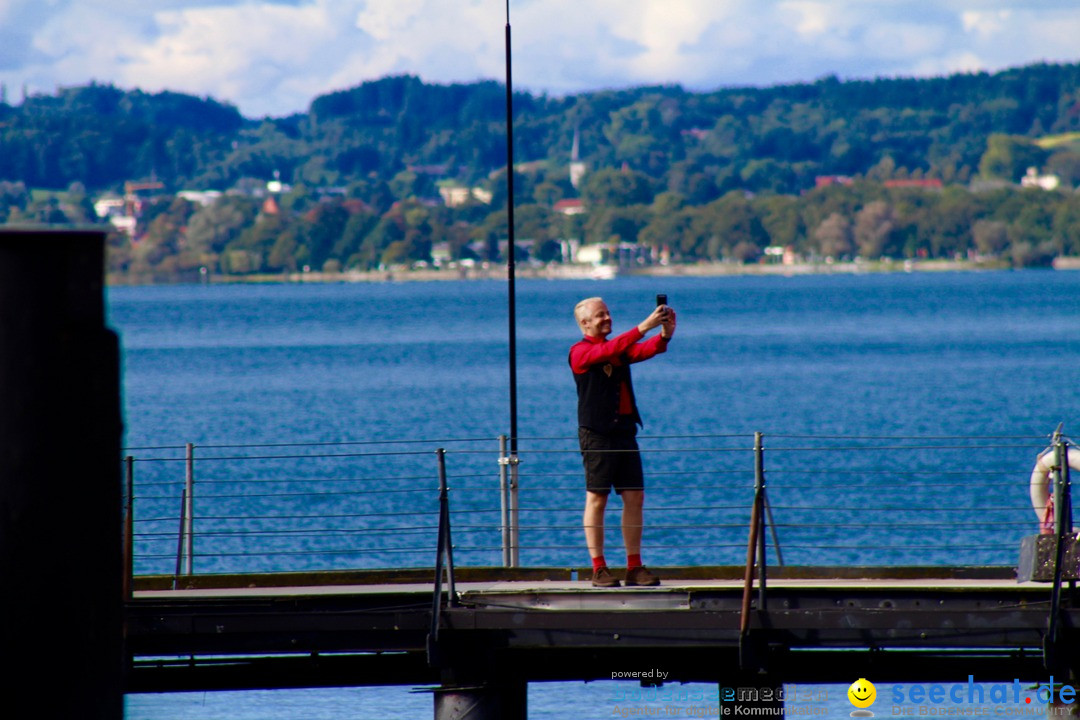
(641, 576)
(602, 577)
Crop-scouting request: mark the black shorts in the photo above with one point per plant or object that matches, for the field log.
(611, 461)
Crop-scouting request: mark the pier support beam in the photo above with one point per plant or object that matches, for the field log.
(478, 681)
(60, 478)
(489, 701)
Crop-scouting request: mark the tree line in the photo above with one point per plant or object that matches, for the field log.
(709, 175)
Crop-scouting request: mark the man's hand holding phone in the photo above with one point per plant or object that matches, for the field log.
(667, 317)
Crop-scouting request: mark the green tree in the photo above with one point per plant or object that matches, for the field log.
(616, 224)
(874, 226)
(781, 219)
(547, 194)
(1066, 225)
(616, 188)
(1008, 157)
(668, 220)
(284, 255)
(834, 236)
(731, 221)
(991, 236)
(13, 196)
(212, 227)
(348, 247)
(1066, 165)
(323, 228)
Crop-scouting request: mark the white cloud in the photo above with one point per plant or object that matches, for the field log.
(439, 42)
(985, 23)
(386, 20)
(814, 19)
(961, 62)
(243, 52)
(664, 31)
(274, 56)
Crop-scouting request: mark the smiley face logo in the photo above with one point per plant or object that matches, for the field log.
(862, 694)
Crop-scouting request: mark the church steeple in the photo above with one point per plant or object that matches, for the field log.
(577, 168)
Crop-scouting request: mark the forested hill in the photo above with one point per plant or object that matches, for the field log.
(698, 144)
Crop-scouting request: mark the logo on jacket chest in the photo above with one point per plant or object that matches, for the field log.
(608, 369)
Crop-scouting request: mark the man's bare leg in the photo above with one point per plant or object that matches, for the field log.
(633, 514)
(595, 504)
(632, 520)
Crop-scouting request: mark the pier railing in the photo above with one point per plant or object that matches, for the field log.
(821, 500)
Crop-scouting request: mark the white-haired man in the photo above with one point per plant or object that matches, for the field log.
(607, 428)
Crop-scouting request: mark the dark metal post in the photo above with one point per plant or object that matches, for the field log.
(442, 549)
(1060, 472)
(759, 500)
(61, 494)
(748, 577)
(444, 524)
(180, 537)
(510, 247)
(189, 492)
(129, 526)
(1066, 491)
(751, 547)
(772, 531)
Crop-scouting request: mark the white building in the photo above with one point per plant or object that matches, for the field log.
(1034, 180)
(109, 207)
(200, 197)
(457, 195)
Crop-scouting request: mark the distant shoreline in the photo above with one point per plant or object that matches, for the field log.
(586, 272)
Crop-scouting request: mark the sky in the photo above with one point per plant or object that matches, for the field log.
(272, 57)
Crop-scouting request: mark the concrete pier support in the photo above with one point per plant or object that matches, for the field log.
(490, 701)
(60, 479)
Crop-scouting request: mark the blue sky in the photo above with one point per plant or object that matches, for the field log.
(271, 57)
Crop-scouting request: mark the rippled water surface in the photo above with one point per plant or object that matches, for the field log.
(994, 355)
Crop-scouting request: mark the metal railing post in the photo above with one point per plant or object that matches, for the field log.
(772, 531)
(515, 527)
(759, 500)
(180, 536)
(444, 524)
(1066, 490)
(1060, 470)
(443, 549)
(129, 526)
(189, 492)
(751, 549)
(767, 516)
(504, 502)
(1061, 532)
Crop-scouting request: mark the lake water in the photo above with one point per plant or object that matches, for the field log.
(868, 389)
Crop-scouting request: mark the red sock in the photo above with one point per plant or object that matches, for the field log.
(598, 562)
(633, 561)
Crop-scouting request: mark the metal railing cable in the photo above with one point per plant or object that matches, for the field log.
(831, 499)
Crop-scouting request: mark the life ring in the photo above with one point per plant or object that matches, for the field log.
(1042, 500)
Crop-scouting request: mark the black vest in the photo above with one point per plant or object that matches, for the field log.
(598, 398)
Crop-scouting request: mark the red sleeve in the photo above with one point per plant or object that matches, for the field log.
(643, 351)
(585, 354)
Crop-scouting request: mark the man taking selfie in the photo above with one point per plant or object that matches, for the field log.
(607, 427)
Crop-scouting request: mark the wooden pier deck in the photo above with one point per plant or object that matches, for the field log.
(817, 625)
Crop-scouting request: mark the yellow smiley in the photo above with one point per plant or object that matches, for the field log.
(862, 693)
